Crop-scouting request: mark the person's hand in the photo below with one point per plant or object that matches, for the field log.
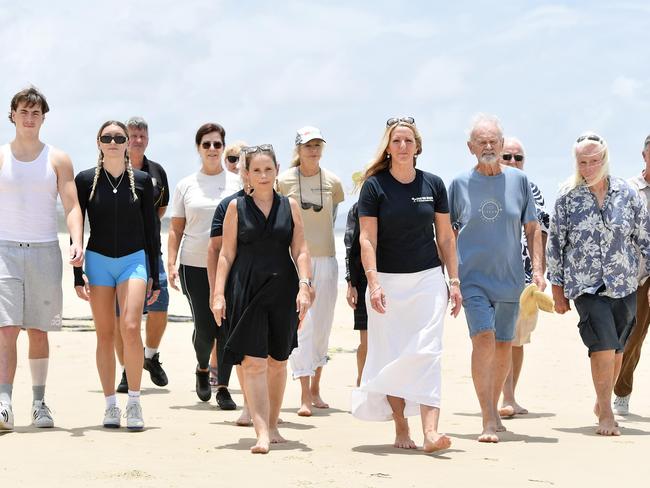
(172, 276)
(219, 309)
(303, 301)
(83, 291)
(562, 304)
(456, 300)
(538, 279)
(377, 298)
(76, 255)
(152, 295)
(352, 296)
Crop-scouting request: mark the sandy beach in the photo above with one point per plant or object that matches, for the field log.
(190, 443)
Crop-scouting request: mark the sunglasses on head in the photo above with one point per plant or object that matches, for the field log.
(260, 148)
(215, 144)
(397, 120)
(232, 159)
(107, 139)
(518, 157)
(590, 137)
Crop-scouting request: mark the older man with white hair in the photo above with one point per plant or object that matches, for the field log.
(514, 155)
(488, 206)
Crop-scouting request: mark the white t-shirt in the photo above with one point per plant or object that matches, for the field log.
(195, 198)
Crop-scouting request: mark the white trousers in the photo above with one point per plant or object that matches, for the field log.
(314, 335)
(404, 346)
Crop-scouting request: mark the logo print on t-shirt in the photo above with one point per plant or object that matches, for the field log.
(490, 210)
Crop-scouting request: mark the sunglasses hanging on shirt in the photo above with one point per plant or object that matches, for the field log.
(307, 205)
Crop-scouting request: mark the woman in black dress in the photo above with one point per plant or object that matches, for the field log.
(257, 278)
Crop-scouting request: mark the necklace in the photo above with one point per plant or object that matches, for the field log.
(111, 183)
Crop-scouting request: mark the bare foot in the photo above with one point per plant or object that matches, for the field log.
(597, 414)
(436, 442)
(261, 447)
(402, 436)
(276, 438)
(318, 402)
(489, 433)
(512, 409)
(244, 419)
(608, 426)
(304, 410)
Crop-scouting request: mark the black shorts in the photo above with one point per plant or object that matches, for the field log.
(605, 323)
(361, 313)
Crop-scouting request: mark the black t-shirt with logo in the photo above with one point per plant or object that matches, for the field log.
(405, 215)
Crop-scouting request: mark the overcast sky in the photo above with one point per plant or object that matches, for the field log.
(263, 69)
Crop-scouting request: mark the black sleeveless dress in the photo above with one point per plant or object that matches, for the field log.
(262, 285)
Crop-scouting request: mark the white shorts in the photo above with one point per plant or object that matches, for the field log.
(31, 296)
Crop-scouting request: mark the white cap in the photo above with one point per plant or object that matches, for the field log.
(308, 133)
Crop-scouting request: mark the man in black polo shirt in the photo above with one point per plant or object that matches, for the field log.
(157, 311)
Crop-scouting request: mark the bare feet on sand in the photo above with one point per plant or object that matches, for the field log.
(489, 433)
(276, 438)
(318, 402)
(402, 437)
(512, 409)
(305, 410)
(436, 442)
(607, 424)
(262, 446)
(244, 419)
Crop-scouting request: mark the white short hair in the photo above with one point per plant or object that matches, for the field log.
(483, 119)
(514, 140)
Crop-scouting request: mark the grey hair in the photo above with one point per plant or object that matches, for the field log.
(137, 123)
(514, 140)
(481, 119)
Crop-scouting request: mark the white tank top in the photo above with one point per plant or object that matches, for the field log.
(28, 193)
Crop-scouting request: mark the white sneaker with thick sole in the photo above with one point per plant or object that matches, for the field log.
(134, 420)
(112, 417)
(41, 415)
(622, 405)
(6, 417)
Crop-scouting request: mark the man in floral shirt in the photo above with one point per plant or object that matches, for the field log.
(632, 353)
(599, 223)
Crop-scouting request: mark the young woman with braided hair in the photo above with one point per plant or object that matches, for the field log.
(122, 235)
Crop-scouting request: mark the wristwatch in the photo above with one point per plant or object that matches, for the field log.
(306, 281)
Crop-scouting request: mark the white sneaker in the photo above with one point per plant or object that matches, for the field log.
(112, 417)
(622, 405)
(134, 420)
(6, 417)
(41, 415)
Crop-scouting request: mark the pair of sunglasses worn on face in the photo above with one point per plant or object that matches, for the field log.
(518, 157)
(107, 139)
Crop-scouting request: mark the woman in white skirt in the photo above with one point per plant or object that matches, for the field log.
(318, 191)
(399, 207)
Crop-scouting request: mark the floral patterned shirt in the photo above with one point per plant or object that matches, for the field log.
(589, 247)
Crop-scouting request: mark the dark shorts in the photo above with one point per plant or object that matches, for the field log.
(361, 313)
(605, 323)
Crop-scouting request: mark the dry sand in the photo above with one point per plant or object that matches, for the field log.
(189, 443)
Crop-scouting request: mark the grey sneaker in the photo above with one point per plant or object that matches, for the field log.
(134, 419)
(6, 417)
(622, 405)
(41, 415)
(112, 417)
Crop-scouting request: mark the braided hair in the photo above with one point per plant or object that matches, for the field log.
(127, 160)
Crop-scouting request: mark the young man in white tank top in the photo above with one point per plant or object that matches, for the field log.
(32, 175)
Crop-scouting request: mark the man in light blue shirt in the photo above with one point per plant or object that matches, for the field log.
(488, 206)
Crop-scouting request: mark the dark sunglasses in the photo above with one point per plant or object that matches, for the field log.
(307, 205)
(397, 120)
(260, 148)
(215, 144)
(107, 139)
(591, 137)
(518, 157)
(232, 159)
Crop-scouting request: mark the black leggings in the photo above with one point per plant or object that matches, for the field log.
(195, 285)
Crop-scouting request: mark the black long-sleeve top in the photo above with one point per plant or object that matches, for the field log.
(119, 225)
(353, 268)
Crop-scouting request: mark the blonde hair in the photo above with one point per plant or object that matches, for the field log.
(577, 180)
(234, 149)
(381, 161)
(127, 160)
(295, 156)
